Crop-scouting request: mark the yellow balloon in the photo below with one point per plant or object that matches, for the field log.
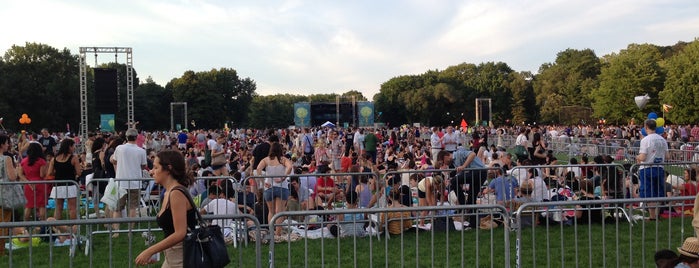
(660, 122)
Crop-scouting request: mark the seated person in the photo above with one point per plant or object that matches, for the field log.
(325, 191)
(220, 206)
(246, 198)
(585, 214)
(351, 224)
(505, 187)
(303, 195)
(395, 222)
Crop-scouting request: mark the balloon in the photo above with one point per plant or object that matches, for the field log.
(659, 130)
(29, 121)
(643, 132)
(24, 116)
(21, 120)
(660, 122)
(652, 115)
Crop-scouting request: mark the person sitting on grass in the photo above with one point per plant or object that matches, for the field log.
(395, 222)
(220, 206)
(351, 224)
(325, 190)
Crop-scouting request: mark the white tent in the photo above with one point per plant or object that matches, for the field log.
(327, 124)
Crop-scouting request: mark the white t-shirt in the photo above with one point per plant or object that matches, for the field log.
(211, 144)
(222, 206)
(130, 159)
(655, 148)
(521, 140)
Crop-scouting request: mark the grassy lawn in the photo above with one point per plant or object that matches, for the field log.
(611, 245)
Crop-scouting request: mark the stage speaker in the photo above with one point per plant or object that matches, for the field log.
(106, 90)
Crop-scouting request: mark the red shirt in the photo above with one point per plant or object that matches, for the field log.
(345, 163)
(324, 182)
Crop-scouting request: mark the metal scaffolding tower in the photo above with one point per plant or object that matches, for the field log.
(83, 82)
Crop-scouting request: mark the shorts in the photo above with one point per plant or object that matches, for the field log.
(64, 192)
(276, 192)
(174, 256)
(336, 165)
(651, 182)
(182, 146)
(217, 167)
(133, 196)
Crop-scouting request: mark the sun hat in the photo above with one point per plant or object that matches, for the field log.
(690, 247)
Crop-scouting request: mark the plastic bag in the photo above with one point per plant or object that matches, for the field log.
(112, 194)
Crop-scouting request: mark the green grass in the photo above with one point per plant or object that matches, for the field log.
(624, 247)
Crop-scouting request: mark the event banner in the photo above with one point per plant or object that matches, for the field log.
(107, 122)
(366, 113)
(302, 114)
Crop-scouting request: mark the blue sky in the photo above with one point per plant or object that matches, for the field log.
(313, 47)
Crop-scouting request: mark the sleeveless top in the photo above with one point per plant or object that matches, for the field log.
(164, 220)
(276, 175)
(65, 170)
(365, 195)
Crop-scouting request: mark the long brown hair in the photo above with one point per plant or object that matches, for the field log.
(173, 162)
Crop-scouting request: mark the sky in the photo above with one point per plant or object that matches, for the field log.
(319, 47)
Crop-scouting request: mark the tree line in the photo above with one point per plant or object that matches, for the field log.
(43, 82)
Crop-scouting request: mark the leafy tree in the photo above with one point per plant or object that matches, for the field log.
(682, 85)
(568, 81)
(632, 72)
(273, 111)
(214, 97)
(152, 106)
(358, 96)
(41, 81)
(523, 100)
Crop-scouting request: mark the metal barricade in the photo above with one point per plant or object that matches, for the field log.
(411, 247)
(109, 252)
(592, 233)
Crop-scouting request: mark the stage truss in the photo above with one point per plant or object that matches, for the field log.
(83, 82)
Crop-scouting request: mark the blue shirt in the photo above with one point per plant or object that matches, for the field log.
(504, 188)
(460, 156)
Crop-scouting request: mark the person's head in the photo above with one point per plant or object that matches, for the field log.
(533, 172)
(45, 132)
(214, 192)
(352, 198)
(664, 257)
(573, 161)
(650, 126)
(588, 186)
(34, 152)
(527, 188)
(131, 134)
(690, 174)
(275, 151)
(66, 147)
(170, 164)
(415, 178)
(444, 157)
(97, 144)
(689, 252)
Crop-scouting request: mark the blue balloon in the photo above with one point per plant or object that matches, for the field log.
(643, 132)
(652, 115)
(659, 130)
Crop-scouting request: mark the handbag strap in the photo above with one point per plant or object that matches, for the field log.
(199, 219)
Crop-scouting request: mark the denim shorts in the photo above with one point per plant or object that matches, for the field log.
(276, 192)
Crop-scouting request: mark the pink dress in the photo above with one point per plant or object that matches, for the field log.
(37, 197)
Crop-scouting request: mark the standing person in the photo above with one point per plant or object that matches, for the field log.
(176, 214)
(359, 141)
(65, 166)
(653, 150)
(435, 144)
(349, 141)
(370, 142)
(276, 186)
(47, 141)
(336, 150)
(34, 168)
(467, 183)
(97, 149)
(216, 151)
(450, 140)
(7, 172)
(307, 143)
(261, 151)
(130, 161)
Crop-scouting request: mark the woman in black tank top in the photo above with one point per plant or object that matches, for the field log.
(65, 167)
(177, 212)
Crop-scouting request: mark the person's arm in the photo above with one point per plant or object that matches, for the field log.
(10, 169)
(50, 169)
(262, 165)
(431, 200)
(467, 162)
(20, 173)
(76, 165)
(179, 204)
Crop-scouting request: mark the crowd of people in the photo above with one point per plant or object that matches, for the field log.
(304, 169)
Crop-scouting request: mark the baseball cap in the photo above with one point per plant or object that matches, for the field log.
(131, 132)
